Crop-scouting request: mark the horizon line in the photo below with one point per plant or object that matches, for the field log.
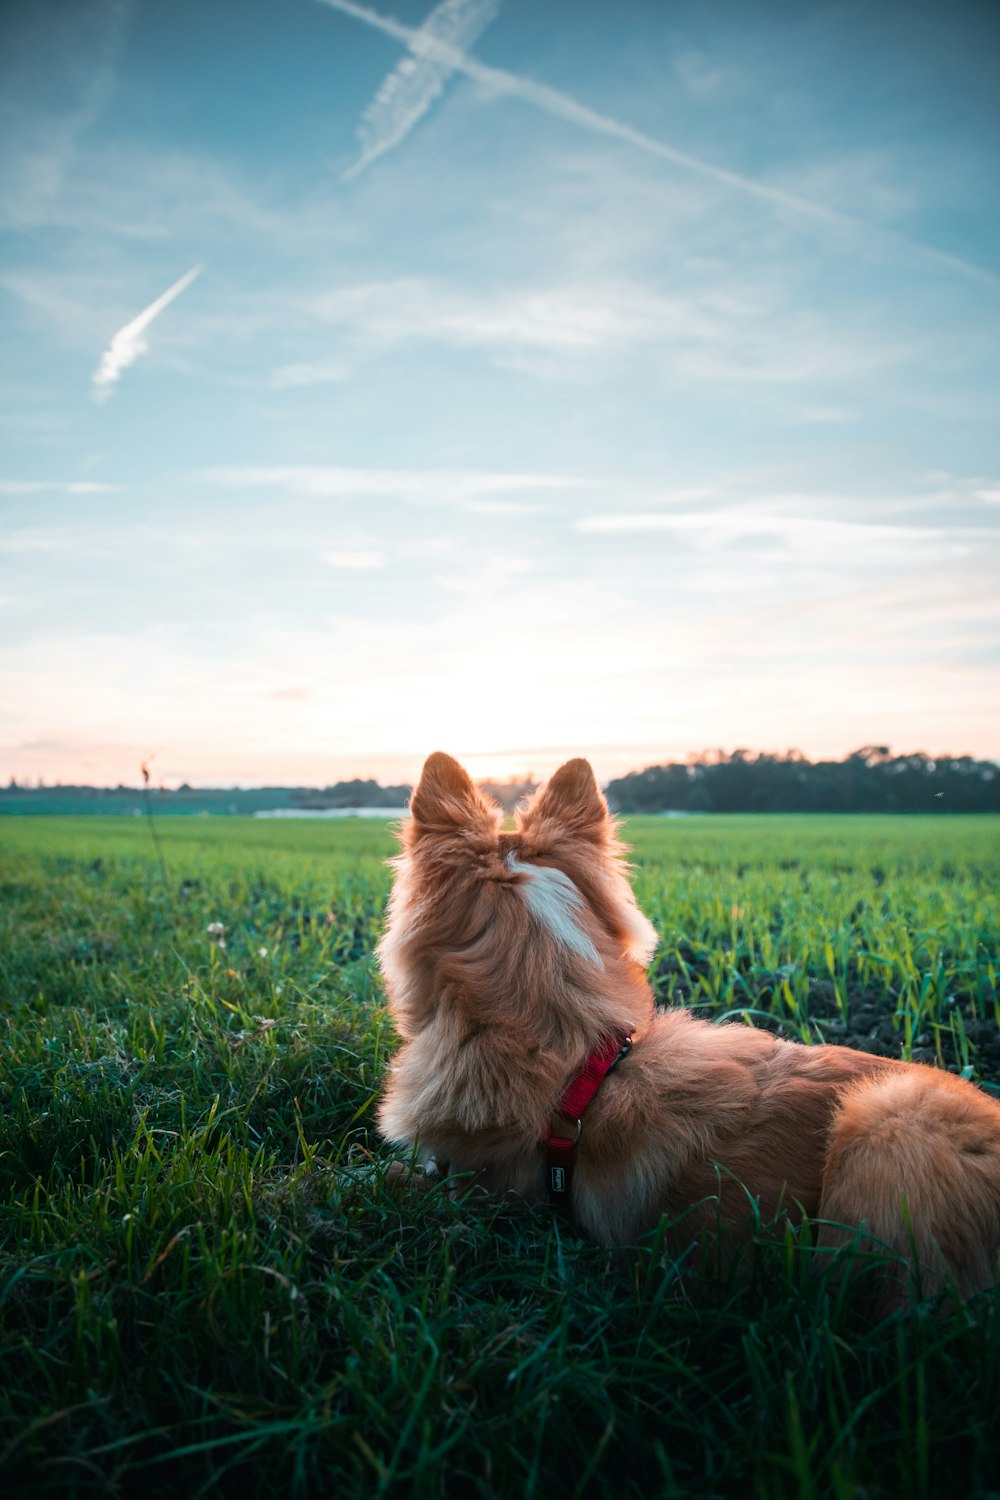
(692, 758)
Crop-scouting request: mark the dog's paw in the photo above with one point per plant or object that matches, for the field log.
(398, 1175)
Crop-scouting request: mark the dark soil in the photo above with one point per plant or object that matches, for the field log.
(867, 1024)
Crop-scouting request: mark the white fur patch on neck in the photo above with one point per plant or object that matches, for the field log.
(554, 901)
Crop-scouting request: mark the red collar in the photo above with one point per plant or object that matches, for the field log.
(559, 1146)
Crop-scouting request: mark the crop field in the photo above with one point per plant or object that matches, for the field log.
(206, 1287)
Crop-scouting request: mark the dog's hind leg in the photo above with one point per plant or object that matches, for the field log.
(914, 1160)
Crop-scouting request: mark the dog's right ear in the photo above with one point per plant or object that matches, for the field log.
(570, 799)
(445, 796)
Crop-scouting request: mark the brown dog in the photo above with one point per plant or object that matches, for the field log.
(515, 967)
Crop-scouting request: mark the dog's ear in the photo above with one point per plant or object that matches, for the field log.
(572, 798)
(445, 795)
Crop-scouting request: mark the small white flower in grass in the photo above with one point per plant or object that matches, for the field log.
(216, 930)
(277, 989)
(262, 952)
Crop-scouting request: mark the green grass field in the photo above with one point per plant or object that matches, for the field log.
(206, 1289)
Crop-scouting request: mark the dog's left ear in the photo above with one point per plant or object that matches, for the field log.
(573, 798)
(446, 797)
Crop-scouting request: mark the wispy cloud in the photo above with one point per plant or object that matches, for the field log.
(860, 541)
(708, 333)
(541, 328)
(128, 343)
(296, 377)
(140, 190)
(82, 540)
(565, 107)
(358, 561)
(697, 74)
(428, 486)
(50, 541)
(961, 490)
(54, 487)
(549, 319)
(487, 579)
(408, 92)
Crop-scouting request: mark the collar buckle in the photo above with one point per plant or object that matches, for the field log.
(566, 1126)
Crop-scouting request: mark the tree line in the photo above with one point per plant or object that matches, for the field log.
(871, 779)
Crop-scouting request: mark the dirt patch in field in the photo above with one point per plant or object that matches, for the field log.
(867, 1022)
(867, 1027)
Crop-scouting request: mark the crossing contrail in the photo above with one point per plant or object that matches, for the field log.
(426, 44)
(408, 92)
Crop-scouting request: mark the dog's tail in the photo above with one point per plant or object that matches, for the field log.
(914, 1160)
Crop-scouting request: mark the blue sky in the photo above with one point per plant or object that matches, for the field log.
(521, 379)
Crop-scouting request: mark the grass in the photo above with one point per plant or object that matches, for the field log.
(205, 1287)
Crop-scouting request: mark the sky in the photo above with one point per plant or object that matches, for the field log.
(519, 378)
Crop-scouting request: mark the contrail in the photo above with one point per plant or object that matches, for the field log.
(128, 343)
(565, 107)
(410, 89)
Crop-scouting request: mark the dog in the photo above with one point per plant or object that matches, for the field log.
(534, 1060)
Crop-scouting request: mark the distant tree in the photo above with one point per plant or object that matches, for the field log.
(356, 793)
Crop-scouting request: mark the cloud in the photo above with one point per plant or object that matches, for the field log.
(411, 88)
(294, 377)
(879, 185)
(854, 542)
(696, 73)
(67, 303)
(504, 508)
(137, 190)
(82, 541)
(572, 320)
(961, 490)
(128, 343)
(827, 416)
(433, 486)
(542, 329)
(486, 579)
(565, 107)
(36, 539)
(357, 560)
(707, 333)
(55, 486)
